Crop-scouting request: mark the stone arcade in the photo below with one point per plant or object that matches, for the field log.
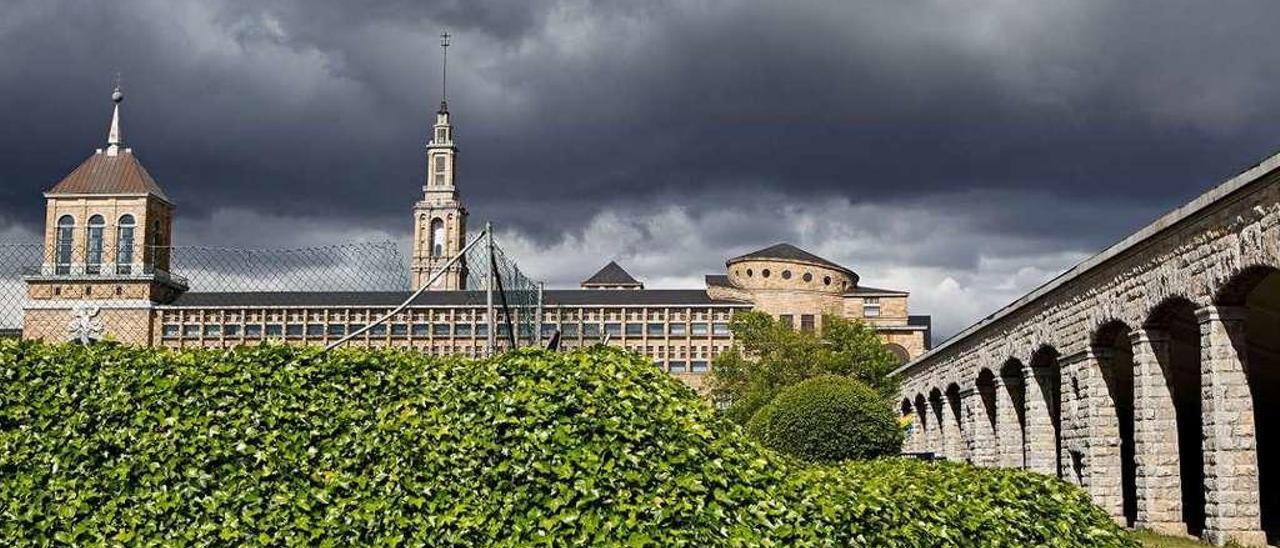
(1149, 374)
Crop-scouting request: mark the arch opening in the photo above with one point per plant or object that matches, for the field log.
(1047, 429)
(1014, 398)
(942, 441)
(1174, 334)
(1114, 350)
(1257, 290)
(953, 402)
(922, 421)
(985, 433)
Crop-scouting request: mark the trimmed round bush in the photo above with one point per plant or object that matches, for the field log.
(278, 445)
(828, 418)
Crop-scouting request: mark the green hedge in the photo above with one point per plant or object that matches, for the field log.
(277, 445)
(828, 418)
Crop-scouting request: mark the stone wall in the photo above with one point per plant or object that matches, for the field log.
(1099, 410)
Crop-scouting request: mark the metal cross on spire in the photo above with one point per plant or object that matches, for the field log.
(444, 69)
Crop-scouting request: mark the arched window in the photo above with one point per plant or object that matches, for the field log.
(93, 245)
(898, 352)
(437, 238)
(124, 244)
(66, 233)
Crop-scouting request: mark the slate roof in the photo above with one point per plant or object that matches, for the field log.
(718, 280)
(865, 290)
(105, 174)
(552, 297)
(611, 274)
(788, 252)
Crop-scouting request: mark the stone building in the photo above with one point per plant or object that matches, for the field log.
(1148, 374)
(106, 273)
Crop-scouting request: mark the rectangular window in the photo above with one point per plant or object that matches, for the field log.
(787, 320)
(613, 329)
(440, 329)
(213, 330)
(656, 329)
(315, 330)
(677, 329)
(698, 328)
(253, 331)
(169, 331)
(591, 330)
(421, 329)
(698, 366)
(353, 327)
(482, 330)
(336, 330)
(871, 307)
(806, 322)
(462, 329)
(294, 330)
(275, 330)
(548, 329)
(379, 330)
(569, 330)
(720, 329)
(399, 330)
(190, 330)
(679, 367)
(635, 329)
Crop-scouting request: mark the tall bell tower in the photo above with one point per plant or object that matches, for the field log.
(440, 220)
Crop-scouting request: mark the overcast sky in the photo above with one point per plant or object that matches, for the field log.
(964, 151)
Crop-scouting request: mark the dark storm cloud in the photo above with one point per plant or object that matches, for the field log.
(566, 107)
(1034, 127)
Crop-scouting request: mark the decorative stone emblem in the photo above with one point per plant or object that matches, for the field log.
(85, 326)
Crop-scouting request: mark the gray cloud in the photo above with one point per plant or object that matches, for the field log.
(979, 133)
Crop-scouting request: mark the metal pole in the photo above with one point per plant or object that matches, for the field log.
(537, 323)
(405, 304)
(488, 288)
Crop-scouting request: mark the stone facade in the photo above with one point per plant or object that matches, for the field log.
(1143, 375)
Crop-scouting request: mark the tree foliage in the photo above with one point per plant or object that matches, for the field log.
(770, 356)
(275, 445)
(828, 418)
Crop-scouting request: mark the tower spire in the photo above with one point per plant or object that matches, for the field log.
(444, 70)
(115, 137)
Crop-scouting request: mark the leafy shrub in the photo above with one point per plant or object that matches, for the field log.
(828, 419)
(280, 445)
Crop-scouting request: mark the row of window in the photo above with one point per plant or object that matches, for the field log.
(170, 330)
(786, 275)
(125, 227)
(567, 316)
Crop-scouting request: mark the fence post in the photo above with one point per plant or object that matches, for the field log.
(488, 288)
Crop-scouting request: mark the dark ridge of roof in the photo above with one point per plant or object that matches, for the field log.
(718, 280)
(552, 297)
(864, 290)
(611, 274)
(787, 252)
(105, 174)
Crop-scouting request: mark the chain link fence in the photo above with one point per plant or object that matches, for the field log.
(216, 296)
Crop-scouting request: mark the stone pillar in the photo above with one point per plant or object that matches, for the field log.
(1155, 431)
(1042, 439)
(1102, 470)
(1074, 418)
(970, 404)
(1232, 506)
(1008, 429)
